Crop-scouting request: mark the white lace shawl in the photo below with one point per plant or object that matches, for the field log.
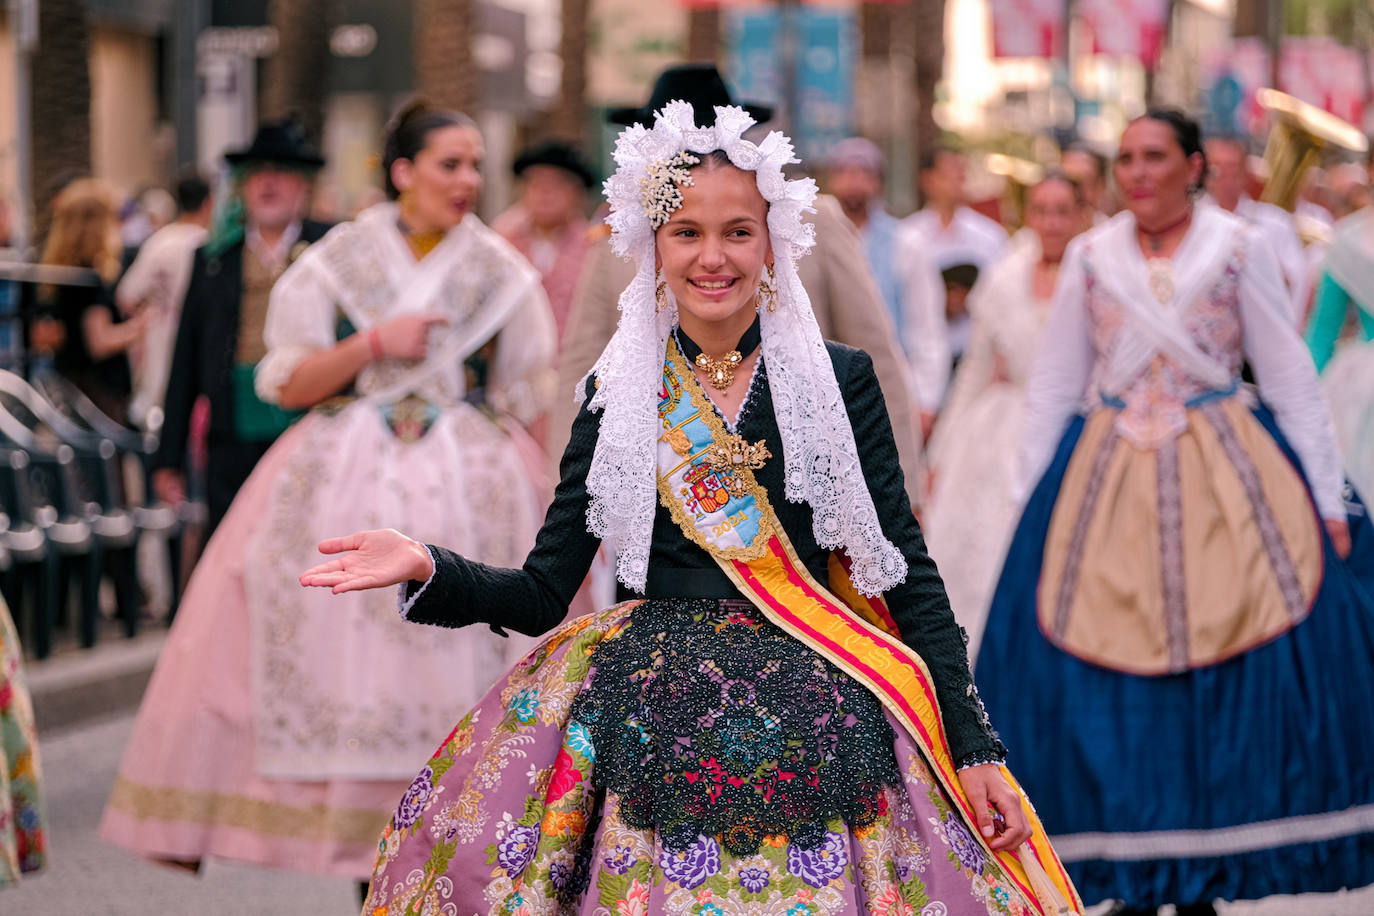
(822, 463)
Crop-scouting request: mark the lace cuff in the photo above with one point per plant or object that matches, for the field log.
(981, 758)
(276, 370)
(404, 599)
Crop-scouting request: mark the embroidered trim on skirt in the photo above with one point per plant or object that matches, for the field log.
(512, 815)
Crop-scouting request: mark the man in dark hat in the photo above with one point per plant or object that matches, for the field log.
(256, 236)
(549, 222)
(843, 294)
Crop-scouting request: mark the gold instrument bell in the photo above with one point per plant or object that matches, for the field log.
(1299, 134)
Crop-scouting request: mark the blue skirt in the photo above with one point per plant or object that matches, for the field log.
(1240, 780)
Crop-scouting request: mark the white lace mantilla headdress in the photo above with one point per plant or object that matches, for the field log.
(822, 463)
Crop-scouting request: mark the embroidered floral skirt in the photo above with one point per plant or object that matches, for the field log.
(679, 757)
(22, 846)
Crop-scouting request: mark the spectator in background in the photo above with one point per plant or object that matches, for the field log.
(548, 225)
(259, 233)
(93, 338)
(959, 242)
(1226, 184)
(1089, 170)
(911, 287)
(155, 284)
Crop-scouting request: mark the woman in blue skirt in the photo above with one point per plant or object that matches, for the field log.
(1177, 651)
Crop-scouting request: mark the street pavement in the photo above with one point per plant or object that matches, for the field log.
(89, 878)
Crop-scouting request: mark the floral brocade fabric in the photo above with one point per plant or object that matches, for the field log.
(516, 814)
(708, 720)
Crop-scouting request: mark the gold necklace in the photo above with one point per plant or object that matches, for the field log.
(720, 373)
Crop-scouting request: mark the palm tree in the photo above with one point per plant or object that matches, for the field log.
(445, 72)
(928, 45)
(295, 81)
(570, 115)
(703, 34)
(61, 105)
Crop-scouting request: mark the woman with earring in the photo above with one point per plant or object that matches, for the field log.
(1177, 644)
(280, 726)
(786, 721)
(973, 452)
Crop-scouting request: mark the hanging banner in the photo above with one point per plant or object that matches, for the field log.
(1317, 70)
(1127, 28)
(1027, 28)
(826, 40)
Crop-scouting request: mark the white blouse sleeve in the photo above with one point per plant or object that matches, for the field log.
(1286, 375)
(523, 376)
(300, 322)
(925, 333)
(1059, 377)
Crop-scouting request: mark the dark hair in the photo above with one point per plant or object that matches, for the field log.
(191, 192)
(1186, 132)
(1099, 160)
(712, 160)
(931, 157)
(409, 131)
(1055, 175)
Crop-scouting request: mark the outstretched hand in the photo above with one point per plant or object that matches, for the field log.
(997, 807)
(370, 559)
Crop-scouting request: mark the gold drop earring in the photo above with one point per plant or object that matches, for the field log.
(661, 293)
(768, 289)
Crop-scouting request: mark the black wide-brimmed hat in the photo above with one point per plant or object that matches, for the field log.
(699, 84)
(558, 154)
(279, 142)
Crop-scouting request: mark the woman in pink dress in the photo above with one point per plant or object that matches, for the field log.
(279, 726)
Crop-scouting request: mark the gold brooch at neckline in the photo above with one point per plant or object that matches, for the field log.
(720, 373)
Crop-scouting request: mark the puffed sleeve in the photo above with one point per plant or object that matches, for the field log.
(300, 322)
(919, 605)
(1287, 377)
(1059, 377)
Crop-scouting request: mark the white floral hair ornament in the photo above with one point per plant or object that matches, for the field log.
(820, 459)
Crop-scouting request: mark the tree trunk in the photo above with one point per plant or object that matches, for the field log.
(60, 118)
(703, 35)
(928, 44)
(295, 82)
(873, 99)
(445, 72)
(570, 117)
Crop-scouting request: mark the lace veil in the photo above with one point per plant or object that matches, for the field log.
(821, 461)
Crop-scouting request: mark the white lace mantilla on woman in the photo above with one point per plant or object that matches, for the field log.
(821, 460)
(343, 687)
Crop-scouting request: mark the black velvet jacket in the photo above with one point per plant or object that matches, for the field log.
(535, 598)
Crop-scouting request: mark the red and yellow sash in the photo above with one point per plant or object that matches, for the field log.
(855, 633)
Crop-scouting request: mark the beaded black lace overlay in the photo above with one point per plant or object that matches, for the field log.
(708, 719)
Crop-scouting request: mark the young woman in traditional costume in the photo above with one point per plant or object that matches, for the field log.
(279, 725)
(786, 721)
(973, 453)
(1176, 643)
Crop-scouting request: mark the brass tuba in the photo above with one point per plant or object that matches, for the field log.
(1299, 134)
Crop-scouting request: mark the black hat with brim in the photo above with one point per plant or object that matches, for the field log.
(558, 154)
(699, 84)
(278, 143)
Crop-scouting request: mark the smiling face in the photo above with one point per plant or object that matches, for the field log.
(713, 249)
(1155, 176)
(440, 185)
